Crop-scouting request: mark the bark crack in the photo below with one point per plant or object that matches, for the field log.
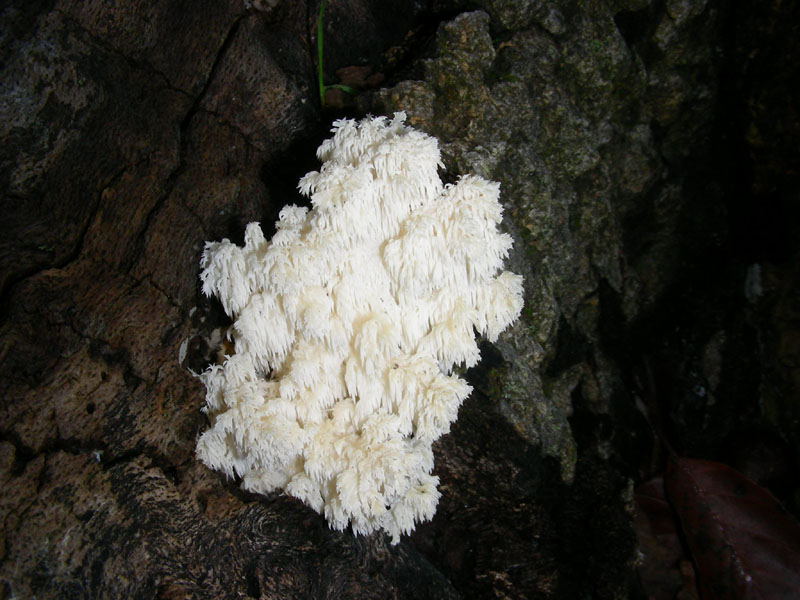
(97, 449)
(139, 64)
(68, 258)
(185, 124)
(235, 128)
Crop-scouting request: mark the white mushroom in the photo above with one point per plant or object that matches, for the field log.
(347, 326)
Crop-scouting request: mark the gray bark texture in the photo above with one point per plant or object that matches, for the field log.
(645, 157)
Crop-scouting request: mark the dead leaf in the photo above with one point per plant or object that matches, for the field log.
(743, 543)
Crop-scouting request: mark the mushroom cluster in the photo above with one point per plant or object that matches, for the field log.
(347, 325)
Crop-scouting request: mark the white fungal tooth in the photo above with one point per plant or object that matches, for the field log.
(347, 326)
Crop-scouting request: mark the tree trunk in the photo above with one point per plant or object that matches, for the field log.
(134, 132)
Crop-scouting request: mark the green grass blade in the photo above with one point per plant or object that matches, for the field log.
(319, 54)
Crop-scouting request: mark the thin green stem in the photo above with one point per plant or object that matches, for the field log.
(319, 54)
(320, 46)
